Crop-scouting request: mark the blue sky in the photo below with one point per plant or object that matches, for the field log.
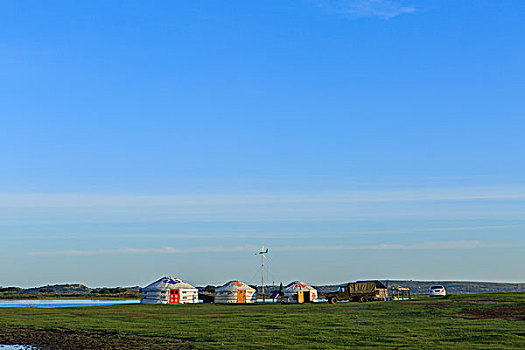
(357, 139)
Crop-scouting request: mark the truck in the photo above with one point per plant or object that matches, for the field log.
(361, 291)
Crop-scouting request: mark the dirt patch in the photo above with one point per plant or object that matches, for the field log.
(64, 339)
(507, 312)
(482, 302)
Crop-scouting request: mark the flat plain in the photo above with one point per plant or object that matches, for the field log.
(475, 321)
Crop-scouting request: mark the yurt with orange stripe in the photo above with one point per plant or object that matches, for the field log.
(235, 292)
(299, 292)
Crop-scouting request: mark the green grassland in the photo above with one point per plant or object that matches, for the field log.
(444, 323)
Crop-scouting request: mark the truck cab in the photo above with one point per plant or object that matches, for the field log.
(340, 294)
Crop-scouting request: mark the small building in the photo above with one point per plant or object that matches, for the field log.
(169, 290)
(401, 293)
(298, 293)
(235, 292)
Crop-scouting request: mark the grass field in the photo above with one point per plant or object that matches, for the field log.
(485, 321)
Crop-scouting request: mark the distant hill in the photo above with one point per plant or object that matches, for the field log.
(452, 287)
(421, 287)
(69, 290)
(459, 287)
(59, 289)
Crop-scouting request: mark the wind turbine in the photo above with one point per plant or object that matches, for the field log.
(263, 257)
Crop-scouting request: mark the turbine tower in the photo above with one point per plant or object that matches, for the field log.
(263, 257)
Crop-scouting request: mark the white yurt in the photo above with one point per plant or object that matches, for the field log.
(169, 290)
(235, 292)
(299, 292)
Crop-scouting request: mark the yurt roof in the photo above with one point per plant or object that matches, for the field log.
(295, 286)
(234, 285)
(169, 282)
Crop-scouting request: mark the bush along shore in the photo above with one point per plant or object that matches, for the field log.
(69, 291)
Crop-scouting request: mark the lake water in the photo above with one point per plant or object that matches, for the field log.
(62, 303)
(16, 347)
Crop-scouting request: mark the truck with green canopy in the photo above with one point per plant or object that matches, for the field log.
(362, 291)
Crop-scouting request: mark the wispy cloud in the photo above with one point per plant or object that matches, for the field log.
(368, 8)
(415, 246)
(162, 250)
(220, 235)
(252, 248)
(51, 200)
(423, 202)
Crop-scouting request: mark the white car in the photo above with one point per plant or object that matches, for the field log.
(435, 291)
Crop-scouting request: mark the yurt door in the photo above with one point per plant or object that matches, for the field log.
(300, 297)
(307, 298)
(174, 296)
(241, 296)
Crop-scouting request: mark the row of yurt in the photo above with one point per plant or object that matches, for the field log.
(169, 290)
(298, 293)
(235, 292)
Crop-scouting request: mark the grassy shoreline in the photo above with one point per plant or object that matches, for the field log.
(488, 321)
